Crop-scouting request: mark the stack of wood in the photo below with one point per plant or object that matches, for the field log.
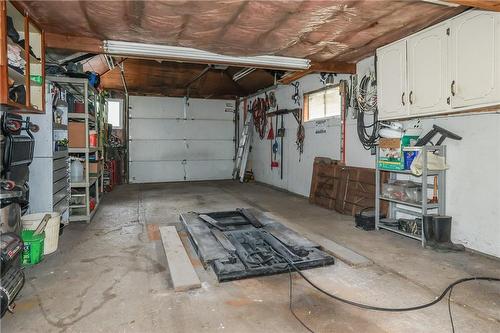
(346, 189)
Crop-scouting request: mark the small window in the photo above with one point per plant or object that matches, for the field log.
(322, 104)
(115, 112)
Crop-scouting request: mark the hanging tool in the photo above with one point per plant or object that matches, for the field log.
(240, 164)
(296, 94)
(274, 148)
(281, 133)
(270, 135)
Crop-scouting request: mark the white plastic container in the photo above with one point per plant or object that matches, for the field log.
(76, 171)
(31, 221)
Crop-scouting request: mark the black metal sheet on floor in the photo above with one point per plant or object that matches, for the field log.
(236, 247)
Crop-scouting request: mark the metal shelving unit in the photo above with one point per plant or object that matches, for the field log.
(49, 182)
(399, 208)
(91, 186)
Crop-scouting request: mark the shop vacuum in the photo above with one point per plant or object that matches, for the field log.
(12, 276)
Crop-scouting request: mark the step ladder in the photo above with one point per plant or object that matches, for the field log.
(240, 164)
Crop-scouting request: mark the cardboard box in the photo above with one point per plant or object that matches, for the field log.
(94, 168)
(391, 152)
(76, 135)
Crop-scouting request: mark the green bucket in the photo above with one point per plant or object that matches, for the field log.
(33, 247)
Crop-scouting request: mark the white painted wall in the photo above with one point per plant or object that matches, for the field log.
(297, 171)
(473, 180)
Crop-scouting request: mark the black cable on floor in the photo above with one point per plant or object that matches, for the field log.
(449, 311)
(377, 308)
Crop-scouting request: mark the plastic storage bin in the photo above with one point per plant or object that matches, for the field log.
(31, 221)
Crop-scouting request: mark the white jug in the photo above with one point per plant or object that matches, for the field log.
(76, 171)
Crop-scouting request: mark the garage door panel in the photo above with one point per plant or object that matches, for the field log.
(169, 171)
(157, 150)
(173, 108)
(164, 147)
(156, 107)
(153, 172)
(210, 109)
(209, 170)
(146, 129)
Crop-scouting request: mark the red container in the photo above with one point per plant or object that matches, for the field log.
(79, 107)
(92, 138)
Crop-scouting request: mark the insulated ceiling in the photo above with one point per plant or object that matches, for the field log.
(339, 30)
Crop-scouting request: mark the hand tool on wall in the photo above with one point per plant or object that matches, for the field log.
(296, 94)
(435, 130)
(270, 135)
(281, 134)
(274, 148)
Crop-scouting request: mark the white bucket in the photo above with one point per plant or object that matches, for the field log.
(31, 221)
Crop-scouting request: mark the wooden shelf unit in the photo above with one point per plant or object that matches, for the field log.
(34, 37)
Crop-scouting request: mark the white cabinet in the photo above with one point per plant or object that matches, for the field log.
(475, 59)
(391, 81)
(451, 67)
(428, 71)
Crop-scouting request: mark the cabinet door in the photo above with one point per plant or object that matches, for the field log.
(391, 81)
(427, 71)
(475, 59)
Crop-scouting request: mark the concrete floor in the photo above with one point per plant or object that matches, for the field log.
(110, 275)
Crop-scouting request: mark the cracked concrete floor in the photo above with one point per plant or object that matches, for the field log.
(110, 275)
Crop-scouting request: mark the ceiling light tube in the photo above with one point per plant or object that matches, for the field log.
(185, 54)
(241, 74)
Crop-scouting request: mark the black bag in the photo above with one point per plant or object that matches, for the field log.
(18, 94)
(11, 31)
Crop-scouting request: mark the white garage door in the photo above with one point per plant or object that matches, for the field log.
(170, 142)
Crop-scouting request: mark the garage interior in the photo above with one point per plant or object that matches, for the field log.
(250, 166)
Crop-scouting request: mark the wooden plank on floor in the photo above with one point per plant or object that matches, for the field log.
(181, 270)
(341, 252)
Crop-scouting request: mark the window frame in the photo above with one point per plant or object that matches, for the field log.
(305, 116)
(120, 101)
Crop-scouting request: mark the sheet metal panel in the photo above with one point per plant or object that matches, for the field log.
(173, 107)
(152, 129)
(172, 171)
(164, 146)
(168, 150)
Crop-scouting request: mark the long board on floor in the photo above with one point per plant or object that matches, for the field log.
(181, 270)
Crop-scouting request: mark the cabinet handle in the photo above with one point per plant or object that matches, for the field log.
(403, 99)
(411, 97)
(452, 87)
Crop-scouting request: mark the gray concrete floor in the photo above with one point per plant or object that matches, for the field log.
(111, 276)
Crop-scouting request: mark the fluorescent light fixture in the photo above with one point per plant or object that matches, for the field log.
(442, 3)
(186, 54)
(241, 74)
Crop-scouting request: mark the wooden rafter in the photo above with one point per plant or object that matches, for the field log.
(324, 67)
(74, 43)
(493, 5)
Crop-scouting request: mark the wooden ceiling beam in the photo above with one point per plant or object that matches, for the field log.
(493, 5)
(74, 43)
(321, 67)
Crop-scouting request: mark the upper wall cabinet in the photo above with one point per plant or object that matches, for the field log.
(450, 67)
(22, 61)
(475, 59)
(427, 71)
(391, 81)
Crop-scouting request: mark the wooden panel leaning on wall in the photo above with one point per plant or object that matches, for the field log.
(346, 189)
